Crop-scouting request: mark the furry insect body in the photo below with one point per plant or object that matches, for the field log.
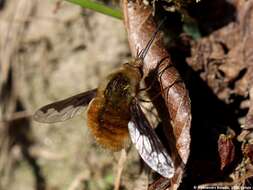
(114, 114)
(109, 112)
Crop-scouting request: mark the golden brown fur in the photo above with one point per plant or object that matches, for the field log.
(108, 113)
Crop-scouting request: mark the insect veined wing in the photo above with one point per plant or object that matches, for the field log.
(64, 109)
(147, 143)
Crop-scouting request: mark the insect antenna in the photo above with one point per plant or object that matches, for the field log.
(142, 54)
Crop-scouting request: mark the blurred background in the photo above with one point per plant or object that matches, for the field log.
(50, 51)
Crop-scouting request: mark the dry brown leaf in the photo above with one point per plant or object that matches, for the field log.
(223, 59)
(140, 26)
(226, 150)
(248, 152)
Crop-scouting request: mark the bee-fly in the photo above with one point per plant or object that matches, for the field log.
(114, 113)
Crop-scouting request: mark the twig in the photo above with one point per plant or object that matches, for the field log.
(77, 181)
(120, 167)
(16, 116)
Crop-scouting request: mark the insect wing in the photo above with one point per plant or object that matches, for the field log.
(148, 144)
(64, 109)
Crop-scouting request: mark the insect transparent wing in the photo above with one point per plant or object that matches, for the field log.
(148, 144)
(64, 109)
